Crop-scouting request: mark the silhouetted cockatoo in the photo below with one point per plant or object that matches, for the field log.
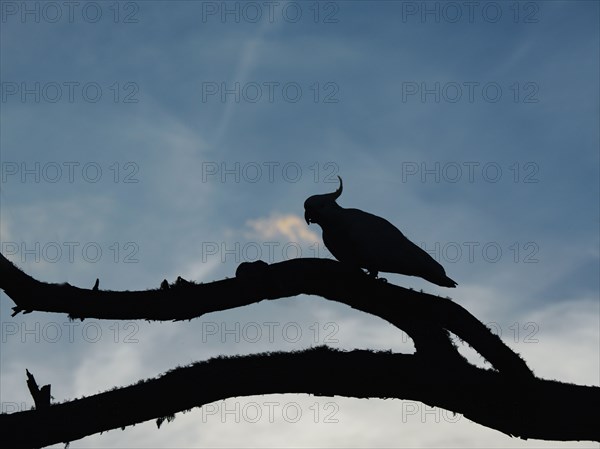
(367, 241)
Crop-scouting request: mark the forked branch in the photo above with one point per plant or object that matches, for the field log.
(509, 398)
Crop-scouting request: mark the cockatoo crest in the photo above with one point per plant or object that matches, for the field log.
(316, 204)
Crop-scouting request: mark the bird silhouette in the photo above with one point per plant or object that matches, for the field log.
(96, 284)
(367, 241)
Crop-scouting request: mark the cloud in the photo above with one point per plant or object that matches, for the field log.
(277, 225)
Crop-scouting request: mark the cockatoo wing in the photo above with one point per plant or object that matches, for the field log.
(368, 241)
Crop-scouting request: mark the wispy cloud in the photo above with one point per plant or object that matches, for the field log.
(277, 225)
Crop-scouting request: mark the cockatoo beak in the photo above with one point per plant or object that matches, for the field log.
(307, 218)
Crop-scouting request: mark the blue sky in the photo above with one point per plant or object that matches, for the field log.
(179, 139)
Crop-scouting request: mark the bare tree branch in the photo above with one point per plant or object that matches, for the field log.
(425, 318)
(527, 408)
(510, 398)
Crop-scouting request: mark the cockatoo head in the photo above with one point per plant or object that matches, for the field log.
(317, 204)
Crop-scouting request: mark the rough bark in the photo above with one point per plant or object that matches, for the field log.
(508, 398)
